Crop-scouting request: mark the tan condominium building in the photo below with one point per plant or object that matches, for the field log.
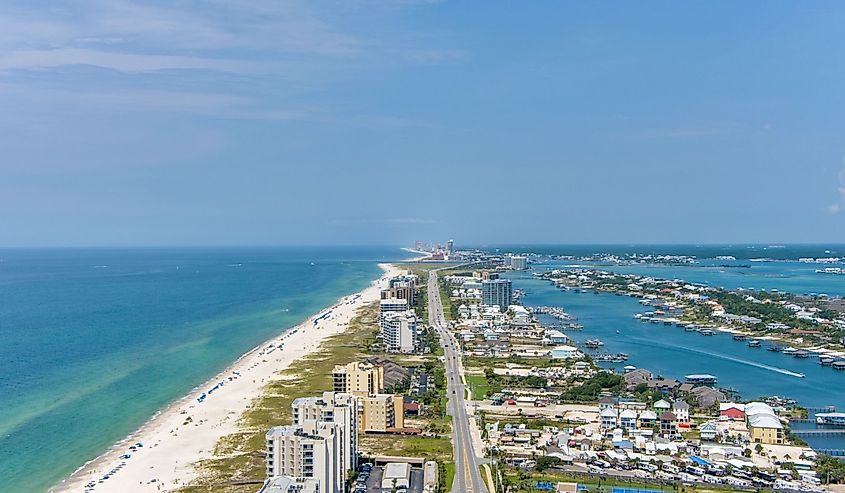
(358, 378)
(381, 412)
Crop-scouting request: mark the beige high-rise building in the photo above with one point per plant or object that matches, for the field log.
(381, 412)
(358, 378)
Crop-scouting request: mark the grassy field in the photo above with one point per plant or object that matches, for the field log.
(481, 388)
(434, 448)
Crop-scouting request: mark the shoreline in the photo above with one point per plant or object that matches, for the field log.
(187, 430)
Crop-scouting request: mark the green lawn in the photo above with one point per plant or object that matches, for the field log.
(481, 388)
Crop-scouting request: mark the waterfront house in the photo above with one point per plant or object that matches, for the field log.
(636, 377)
(555, 337)
(565, 352)
(664, 385)
(706, 397)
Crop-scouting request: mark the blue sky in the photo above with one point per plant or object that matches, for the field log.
(379, 122)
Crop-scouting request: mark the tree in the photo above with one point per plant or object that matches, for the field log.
(547, 462)
(830, 469)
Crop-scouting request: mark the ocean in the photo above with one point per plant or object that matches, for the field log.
(94, 341)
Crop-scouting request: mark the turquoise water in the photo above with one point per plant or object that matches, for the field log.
(94, 341)
(783, 275)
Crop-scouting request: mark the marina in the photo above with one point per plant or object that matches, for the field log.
(669, 352)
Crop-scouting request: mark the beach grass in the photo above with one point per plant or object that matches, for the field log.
(241, 456)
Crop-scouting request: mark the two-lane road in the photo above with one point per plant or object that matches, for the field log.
(467, 476)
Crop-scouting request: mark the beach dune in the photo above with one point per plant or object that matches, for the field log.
(173, 440)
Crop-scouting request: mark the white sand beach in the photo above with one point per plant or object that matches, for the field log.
(172, 443)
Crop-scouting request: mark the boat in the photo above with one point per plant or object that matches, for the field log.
(801, 354)
(754, 343)
(775, 348)
(740, 337)
(690, 328)
(593, 343)
(611, 358)
(826, 361)
(705, 332)
(617, 331)
(789, 351)
(703, 378)
(830, 419)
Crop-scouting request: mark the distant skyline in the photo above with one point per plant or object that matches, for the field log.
(365, 122)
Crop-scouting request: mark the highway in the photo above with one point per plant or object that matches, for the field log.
(467, 477)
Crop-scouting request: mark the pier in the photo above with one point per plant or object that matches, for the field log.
(833, 452)
(819, 432)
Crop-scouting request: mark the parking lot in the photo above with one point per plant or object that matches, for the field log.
(374, 482)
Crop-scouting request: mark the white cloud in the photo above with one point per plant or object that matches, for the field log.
(124, 62)
(838, 206)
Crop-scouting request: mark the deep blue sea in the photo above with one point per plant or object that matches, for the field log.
(95, 341)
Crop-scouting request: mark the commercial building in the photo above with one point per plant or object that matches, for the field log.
(498, 292)
(308, 450)
(565, 352)
(358, 378)
(340, 409)
(382, 412)
(399, 332)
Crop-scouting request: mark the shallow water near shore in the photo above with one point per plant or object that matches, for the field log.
(94, 341)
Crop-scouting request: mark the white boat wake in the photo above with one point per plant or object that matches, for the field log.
(763, 366)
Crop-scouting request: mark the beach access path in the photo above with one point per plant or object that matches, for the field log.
(187, 431)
